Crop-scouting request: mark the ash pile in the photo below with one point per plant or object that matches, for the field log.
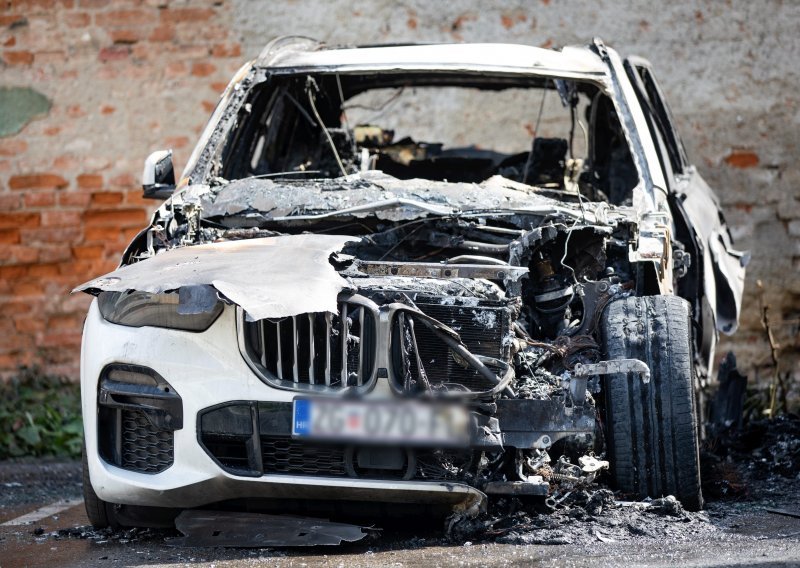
(748, 455)
(757, 459)
(579, 510)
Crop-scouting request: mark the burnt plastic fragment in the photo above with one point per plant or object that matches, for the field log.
(253, 530)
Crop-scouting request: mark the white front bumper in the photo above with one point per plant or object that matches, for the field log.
(206, 369)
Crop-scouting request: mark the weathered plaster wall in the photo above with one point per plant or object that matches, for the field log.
(129, 77)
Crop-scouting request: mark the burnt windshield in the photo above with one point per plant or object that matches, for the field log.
(549, 133)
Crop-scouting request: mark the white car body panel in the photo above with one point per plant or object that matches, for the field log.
(207, 369)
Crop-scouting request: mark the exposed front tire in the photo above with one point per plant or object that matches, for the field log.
(101, 513)
(651, 429)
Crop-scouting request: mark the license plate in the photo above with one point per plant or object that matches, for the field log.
(404, 422)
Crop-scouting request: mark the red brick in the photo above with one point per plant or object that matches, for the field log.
(125, 36)
(40, 199)
(43, 270)
(55, 253)
(203, 69)
(106, 198)
(88, 252)
(10, 201)
(176, 69)
(222, 50)
(52, 57)
(52, 130)
(75, 111)
(9, 236)
(123, 181)
(101, 234)
(164, 32)
(130, 233)
(94, 3)
(51, 235)
(14, 306)
(77, 19)
(209, 106)
(121, 18)
(136, 197)
(179, 15)
(142, 52)
(218, 86)
(742, 159)
(68, 322)
(15, 343)
(61, 339)
(107, 109)
(26, 220)
(12, 146)
(10, 362)
(13, 19)
(176, 141)
(24, 254)
(27, 288)
(18, 57)
(115, 217)
(114, 53)
(37, 181)
(73, 199)
(106, 266)
(66, 162)
(12, 272)
(29, 324)
(90, 181)
(61, 218)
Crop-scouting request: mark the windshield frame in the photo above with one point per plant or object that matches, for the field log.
(209, 149)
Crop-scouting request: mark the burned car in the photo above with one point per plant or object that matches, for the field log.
(411, 275)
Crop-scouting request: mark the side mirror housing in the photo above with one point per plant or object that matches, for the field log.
(158, 177)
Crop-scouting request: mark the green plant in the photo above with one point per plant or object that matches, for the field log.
(40, 415)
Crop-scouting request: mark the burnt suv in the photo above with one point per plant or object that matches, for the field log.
(411, 274)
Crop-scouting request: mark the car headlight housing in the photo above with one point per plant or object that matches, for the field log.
(188, 311)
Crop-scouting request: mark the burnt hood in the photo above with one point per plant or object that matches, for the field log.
(268, 277)
(384, 196)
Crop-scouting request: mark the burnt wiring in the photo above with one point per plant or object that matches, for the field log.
(311, 87)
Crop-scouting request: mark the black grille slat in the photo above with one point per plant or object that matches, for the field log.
(287, 456)
(310, 348)
(230, 451)
(145, 448)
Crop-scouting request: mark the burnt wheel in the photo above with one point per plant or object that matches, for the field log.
(652, 428)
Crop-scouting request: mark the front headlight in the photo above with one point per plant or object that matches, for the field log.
(172, 311)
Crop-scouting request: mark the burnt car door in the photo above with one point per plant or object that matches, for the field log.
(711, 271)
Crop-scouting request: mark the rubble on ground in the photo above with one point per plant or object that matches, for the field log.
(583, 516)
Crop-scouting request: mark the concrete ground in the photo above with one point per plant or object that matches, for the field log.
(43, 523)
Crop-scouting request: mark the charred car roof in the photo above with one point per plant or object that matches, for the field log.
(301, 54)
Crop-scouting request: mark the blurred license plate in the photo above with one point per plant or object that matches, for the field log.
(376, 421)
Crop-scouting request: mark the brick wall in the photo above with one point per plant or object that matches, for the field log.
(125, 78)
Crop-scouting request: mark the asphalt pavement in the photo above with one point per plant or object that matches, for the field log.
(42, 523)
